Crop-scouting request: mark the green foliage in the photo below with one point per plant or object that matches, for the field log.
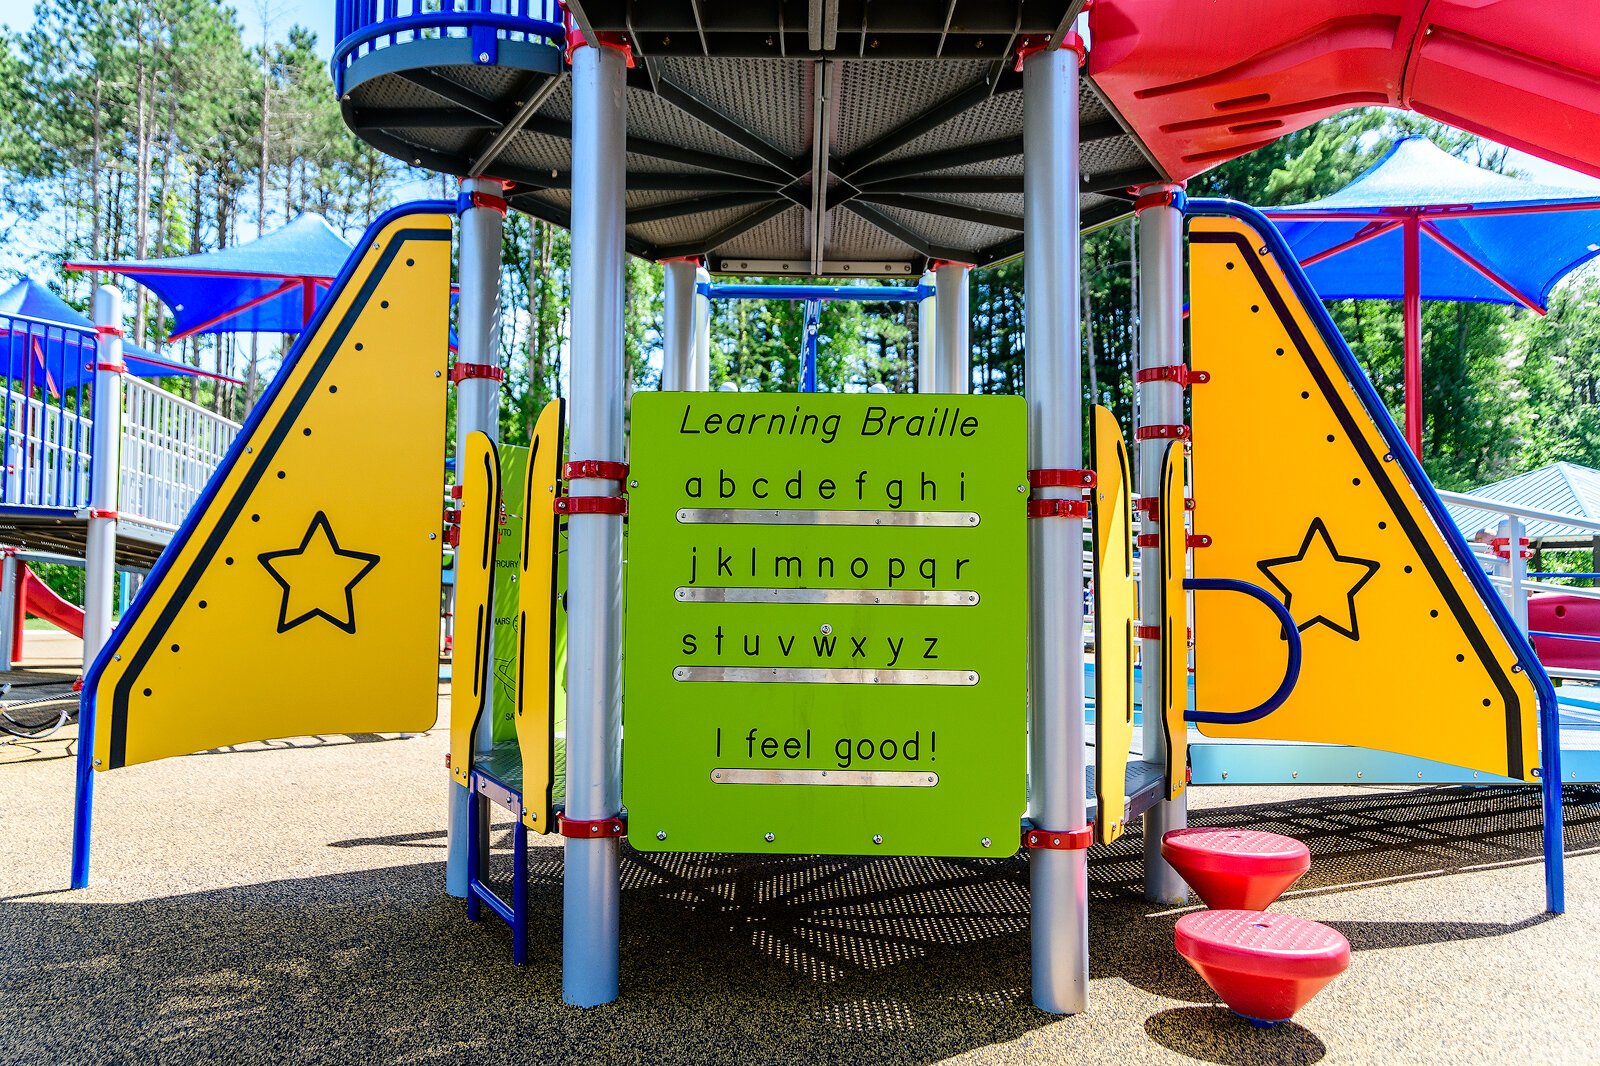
(152, 128)
(66, 581)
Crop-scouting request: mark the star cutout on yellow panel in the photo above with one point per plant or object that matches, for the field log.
(318, 578)
(1321, 582)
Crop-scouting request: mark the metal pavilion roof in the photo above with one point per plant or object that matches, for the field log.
(773, 137)
(1563, 488)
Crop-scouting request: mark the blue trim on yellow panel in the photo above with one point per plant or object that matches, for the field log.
(1528, 661)
(84, 794)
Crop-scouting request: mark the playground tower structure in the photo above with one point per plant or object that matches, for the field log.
(808, 141)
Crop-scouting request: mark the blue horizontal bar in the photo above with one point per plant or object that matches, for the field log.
(1564, 636)
(860, 293)
(1235, 763)
(481, 892)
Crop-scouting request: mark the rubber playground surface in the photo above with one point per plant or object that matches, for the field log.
(283, 902)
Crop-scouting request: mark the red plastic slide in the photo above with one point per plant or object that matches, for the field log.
(1554, 612)
(40, 600)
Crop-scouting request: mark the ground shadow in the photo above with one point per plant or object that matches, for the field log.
(727, 957)
(1216, 1034)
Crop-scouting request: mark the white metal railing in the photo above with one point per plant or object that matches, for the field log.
(1509, 573)
(47, 453)
(169, 449)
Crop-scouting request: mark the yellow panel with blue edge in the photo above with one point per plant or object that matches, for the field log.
(474, 608)
(302, 594)
(1116, 606)
(1298, 487)
(538, 652)
(1173, 557)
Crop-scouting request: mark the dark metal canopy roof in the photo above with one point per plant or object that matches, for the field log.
(811, 137)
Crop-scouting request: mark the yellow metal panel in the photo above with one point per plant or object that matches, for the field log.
(536, 627)
(1296, 485)
(474, 610)
(302, 595)
(1174, 620)
(1116, 606)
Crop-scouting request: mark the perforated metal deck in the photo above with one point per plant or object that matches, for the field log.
(830, 138)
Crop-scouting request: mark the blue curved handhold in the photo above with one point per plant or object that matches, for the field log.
(1291, 673)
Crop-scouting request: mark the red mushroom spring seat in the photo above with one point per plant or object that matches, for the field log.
(1264, 966)
(1239, 869)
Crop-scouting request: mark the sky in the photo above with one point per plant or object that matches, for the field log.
(279, 15)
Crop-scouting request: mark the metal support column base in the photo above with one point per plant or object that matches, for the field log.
(1161, 882)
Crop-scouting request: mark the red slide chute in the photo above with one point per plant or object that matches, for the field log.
(40, 600)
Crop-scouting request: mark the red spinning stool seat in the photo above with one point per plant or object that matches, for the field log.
(1241, 869)
(1264, 966)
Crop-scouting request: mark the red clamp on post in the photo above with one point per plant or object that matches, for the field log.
(1071, 840)
(1502, 547)
(1148, 540)
(1061, 479)
(455, 492)
(115, 368)
(1180, 374)
(95, 512)
(937, 263)
(602, 469)
(1154, 633)
(1179, 432)
(591, 505)
(108, 331)
(1058, 508)
(452, 515)
(474, 371)
(1197, 540)
(590, 829)
(452, 536)
(1151, 506)
(494, 203)
(575, 39)
(1158, 194)
(1034, 43)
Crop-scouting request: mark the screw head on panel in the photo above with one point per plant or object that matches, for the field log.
(661, 834)
(877, 838)
(771, 837)
(986, 842)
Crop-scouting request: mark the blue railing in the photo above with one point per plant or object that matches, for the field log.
(364, 26)
(45, 428)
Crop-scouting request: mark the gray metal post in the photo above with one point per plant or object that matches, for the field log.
(679, 332)
(592, 887)
(1160, 266)
(477, 410)
(1515, 568)
(105, 482)
(1057, 788)
(10, 568)
(927, 332)
(952, 359)
(701, 382)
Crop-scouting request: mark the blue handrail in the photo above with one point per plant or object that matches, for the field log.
(363, 26)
